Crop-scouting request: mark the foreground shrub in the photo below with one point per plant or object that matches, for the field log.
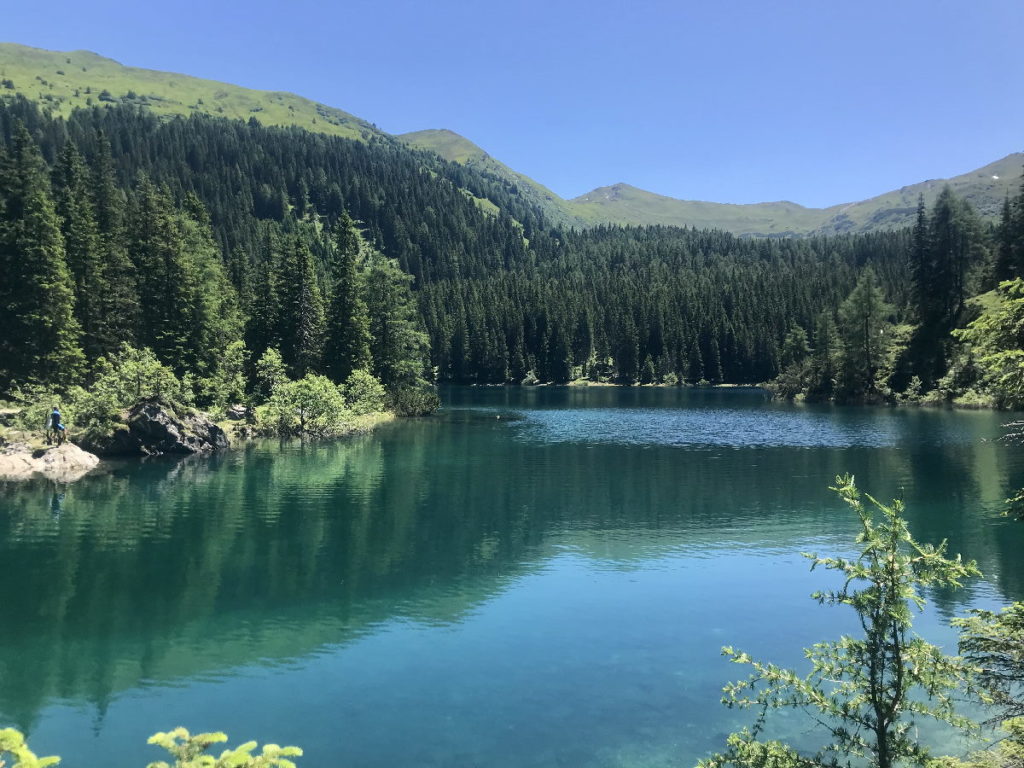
(188, 752)
(867, 694)
(12, 745)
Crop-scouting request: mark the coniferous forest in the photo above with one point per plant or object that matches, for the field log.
(209, 241)
(536, 576)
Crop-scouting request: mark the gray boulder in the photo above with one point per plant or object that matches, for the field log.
(152, 427)
(65, 463)
(237, 412)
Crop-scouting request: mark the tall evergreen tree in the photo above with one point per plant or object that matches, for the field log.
(955, 244)
(399, 347)
(164, 277)
(347, 346)
(302, 309)
(41, 337)
(82, 244)
(215, 322)
(864, 330)
(920, 263)
(1006, 262)
(116, 306)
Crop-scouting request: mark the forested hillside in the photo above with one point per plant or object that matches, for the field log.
(188, 235)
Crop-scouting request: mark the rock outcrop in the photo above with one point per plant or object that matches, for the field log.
(152, 428)
(65, 463)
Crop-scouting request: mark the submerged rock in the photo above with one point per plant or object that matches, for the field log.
(65, 463)
(152, 427)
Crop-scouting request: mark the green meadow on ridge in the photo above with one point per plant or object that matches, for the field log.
(66, 81)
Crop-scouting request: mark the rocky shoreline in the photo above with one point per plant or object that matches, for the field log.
(149, 428)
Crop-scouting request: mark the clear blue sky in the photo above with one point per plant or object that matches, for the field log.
(815, 101)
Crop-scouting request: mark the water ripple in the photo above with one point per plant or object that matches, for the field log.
(698, 428)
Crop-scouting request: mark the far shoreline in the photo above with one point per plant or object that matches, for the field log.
(585, 384)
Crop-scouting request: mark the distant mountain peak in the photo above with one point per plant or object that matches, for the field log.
(67, 80)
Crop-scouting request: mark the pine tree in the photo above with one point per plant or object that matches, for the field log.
(41, 337)
(215, 322)
(399, 347)
(944, 256)
(347, 346)
(117, 303)
(864, 329)
(795, 348)
(263, 325)
(81, 244)
(920, 263)
(302, 309)
(1006, 263)
(824, 358)
(164, 278)
(953, 241)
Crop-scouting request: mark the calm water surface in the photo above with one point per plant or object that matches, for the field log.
(533, 577)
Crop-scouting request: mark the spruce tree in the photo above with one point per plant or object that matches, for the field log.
(347, 346)
(41, 337)
(263, 325)
(215, 322)
(1005, 266)
(117, 303)
(164, 278)
(302, 309)
(82, 244)
(920, 264)
(864, 329)
(399, 347)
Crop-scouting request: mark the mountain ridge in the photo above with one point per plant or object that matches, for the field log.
(64, 81)
(985, 188)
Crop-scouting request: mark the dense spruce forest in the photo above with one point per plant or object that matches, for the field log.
(210, 241)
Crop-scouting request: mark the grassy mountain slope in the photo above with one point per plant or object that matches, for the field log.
(622, 204)
(985, 188)
(64, 81)
(458, 149)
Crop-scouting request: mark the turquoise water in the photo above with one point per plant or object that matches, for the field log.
(533, 577)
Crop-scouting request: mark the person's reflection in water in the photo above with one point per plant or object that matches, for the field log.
(56, 504)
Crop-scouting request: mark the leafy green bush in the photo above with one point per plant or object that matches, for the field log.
(364, 393)
(12, 744)
(36, 402)
(188, 752)
(313, 405)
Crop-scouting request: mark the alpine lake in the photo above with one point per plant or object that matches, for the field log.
(531, 577)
